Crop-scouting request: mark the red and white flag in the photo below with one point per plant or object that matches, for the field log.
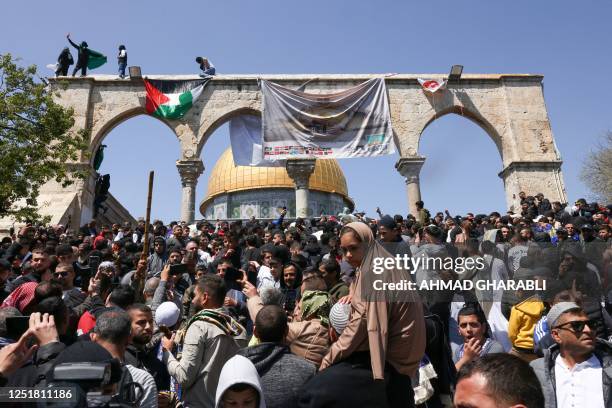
(432, 85)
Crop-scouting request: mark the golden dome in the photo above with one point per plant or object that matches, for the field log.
(226, 177)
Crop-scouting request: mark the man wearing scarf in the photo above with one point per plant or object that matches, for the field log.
(390, 327)
(211, 337)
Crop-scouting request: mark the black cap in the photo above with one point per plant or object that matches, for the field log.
(388, 222)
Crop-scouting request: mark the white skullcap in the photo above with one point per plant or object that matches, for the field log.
(167, 314)
(339, 316)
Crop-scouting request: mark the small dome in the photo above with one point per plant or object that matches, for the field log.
(226, 177)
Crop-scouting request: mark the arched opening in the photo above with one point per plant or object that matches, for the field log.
(136, 146)
(461, 167)
(374, 182)
(217, 141)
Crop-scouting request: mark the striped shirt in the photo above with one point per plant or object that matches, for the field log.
(540, 330)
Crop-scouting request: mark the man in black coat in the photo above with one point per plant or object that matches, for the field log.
(83, 58)
(63, 62)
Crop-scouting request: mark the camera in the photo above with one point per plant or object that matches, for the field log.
(96, 385)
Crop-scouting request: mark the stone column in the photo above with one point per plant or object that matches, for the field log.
(410, 168)
(533, 177)
(190, 171)
(300, 170)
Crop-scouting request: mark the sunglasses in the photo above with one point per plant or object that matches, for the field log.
(62, 274)
(577, 326)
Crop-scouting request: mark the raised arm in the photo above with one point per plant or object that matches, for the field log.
(73, 43)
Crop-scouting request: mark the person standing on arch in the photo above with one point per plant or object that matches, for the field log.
(388, 331)
(122, 61)
(63, 62)
(83, 57)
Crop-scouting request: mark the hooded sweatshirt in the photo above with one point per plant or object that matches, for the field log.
(156, 261)
(238, 370)
(523, 318)
(282, 373)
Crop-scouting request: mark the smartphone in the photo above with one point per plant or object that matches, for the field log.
(16, 326)
(84, 276)
(178, 269)
(93, 263)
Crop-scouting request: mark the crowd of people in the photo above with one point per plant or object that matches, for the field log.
(279, 313)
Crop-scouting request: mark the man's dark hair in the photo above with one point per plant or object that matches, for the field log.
(470, 309)
(331, 266)
(251, 240)
(46, 290)
(177, 249)
(140, 307)
(215, 287)
(509, 379)
(56, 307)
(122, 296)
(271, 324)
(63, 250)
(113, 326)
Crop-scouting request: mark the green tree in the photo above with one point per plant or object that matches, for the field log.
(36, 140)
(597, 170)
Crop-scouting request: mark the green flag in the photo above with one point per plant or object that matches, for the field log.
(96, 59)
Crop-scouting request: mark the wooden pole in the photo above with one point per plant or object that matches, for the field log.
(145, 246)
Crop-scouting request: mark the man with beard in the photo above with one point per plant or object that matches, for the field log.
(141, 353)
(209, 339)
(576, 370)
(40, 264)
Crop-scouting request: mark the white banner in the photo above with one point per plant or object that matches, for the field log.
(245, 138)
(432, 85)
(351, 123)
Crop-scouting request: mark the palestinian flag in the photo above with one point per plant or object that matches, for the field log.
(95, 60)
(170, 99)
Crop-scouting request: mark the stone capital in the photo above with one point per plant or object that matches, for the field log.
(300, 170)
(410, 168)
(190, 171)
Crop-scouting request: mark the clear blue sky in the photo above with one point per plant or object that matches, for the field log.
(568, 42)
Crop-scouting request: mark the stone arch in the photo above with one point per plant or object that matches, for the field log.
(221, 119)
(474, 117)
(99, 134)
